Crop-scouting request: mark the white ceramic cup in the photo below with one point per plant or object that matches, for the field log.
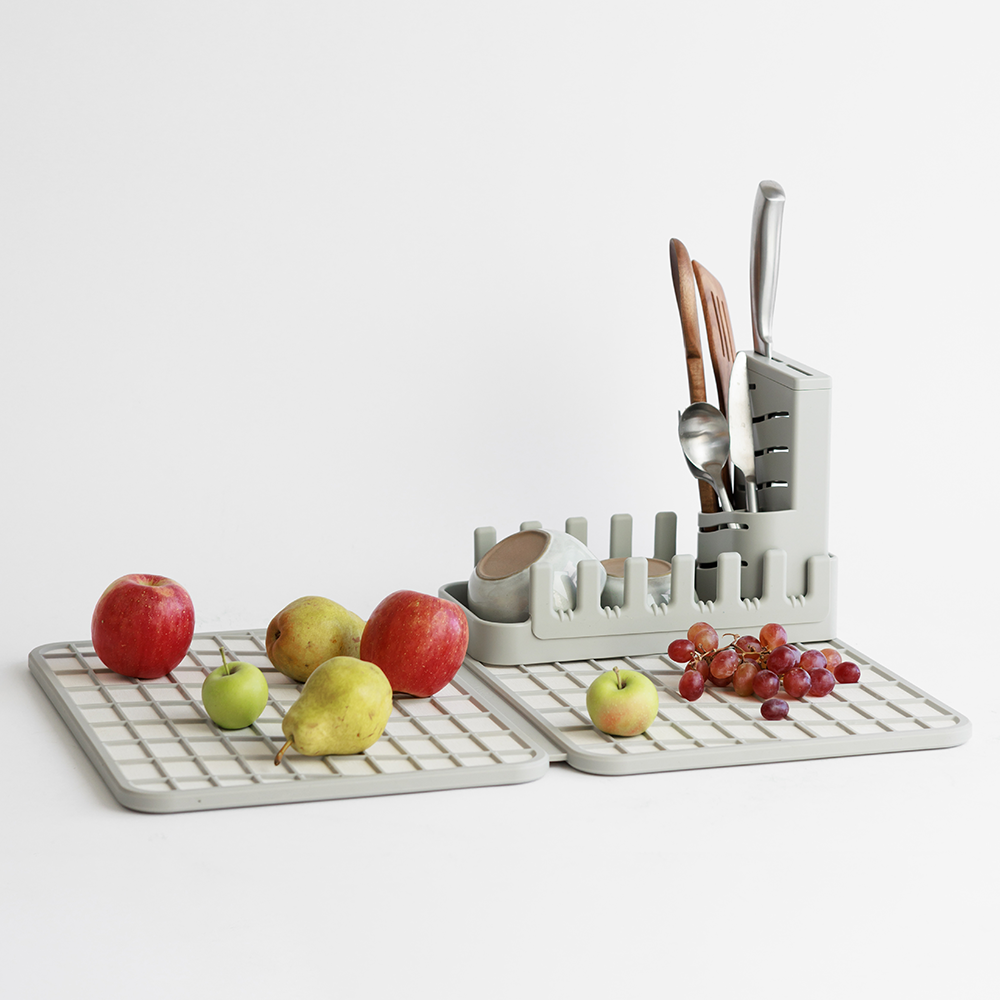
(499, 585)
(657, 585)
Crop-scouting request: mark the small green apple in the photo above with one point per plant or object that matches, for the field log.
(234, 694)
(622, 702)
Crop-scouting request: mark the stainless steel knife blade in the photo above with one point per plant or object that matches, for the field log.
(741, 427)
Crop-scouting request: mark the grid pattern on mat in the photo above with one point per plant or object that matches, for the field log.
(880, 713)
(155, 738)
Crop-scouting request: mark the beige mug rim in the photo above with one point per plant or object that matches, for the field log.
(520, 564)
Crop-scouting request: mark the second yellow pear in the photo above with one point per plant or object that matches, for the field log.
(310, 631)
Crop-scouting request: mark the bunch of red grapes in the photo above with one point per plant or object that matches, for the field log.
(759, 665)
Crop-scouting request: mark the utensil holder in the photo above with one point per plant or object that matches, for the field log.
(791, 422)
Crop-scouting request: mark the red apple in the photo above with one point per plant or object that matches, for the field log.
(417, 640)
(142, 625)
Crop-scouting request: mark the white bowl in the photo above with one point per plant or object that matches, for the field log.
(657, 582)
(498, 587)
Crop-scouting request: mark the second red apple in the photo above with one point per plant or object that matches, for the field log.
(417, 640)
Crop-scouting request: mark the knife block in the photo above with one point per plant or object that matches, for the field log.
(791, 422)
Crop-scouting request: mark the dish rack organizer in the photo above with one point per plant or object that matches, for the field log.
(751, 568)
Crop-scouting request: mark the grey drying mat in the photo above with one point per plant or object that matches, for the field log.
(880, 714)
(158, 751)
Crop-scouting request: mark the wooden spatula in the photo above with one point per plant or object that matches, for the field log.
(687, 305)
(718, 329)
(721, 346)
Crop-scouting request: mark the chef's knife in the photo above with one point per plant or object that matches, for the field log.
(765, 248)
(741, 427)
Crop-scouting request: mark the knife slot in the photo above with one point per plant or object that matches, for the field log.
(777, 415)
(800, 369)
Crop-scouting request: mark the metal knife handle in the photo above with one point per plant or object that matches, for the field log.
(765, 249)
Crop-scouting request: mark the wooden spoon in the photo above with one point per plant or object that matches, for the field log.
(687, 306)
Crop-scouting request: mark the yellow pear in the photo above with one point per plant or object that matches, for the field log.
(343, 708)
(310, 631)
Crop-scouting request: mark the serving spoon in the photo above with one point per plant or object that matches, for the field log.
(704, 436)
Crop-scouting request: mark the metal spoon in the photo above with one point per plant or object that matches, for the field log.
(704, 434)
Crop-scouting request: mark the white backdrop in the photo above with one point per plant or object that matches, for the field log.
(295, 296)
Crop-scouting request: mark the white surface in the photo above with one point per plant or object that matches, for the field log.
(286, 289)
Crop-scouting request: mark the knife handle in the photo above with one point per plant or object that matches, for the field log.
(765, 250)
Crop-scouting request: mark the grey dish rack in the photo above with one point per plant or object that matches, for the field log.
(751, 568)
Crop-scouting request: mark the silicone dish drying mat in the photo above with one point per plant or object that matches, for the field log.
(158, 751)
(879, 714)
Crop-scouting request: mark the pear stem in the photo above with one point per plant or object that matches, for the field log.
(222, 653)
(281, 752)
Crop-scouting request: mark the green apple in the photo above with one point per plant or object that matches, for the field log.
(234, 694)
(622, 702)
